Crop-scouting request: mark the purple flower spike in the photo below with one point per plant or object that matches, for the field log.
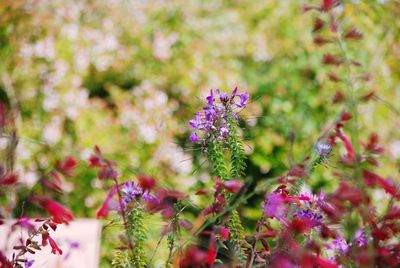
(212, 122)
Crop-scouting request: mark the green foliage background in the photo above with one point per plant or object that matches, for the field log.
(128, 75)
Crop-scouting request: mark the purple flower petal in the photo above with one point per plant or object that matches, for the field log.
(193, 137)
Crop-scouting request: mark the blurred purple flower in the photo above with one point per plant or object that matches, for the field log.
(29, 263)
(307, 214)
(23, 222)
(339, 245)
(193, 137)
(360, 238)
(323, 149)
(130, 192)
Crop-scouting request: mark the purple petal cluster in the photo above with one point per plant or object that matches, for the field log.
(212, 121)
(307, 214)
(131, 192)
(323, 149)
(339, 245)
(29, 263)
(360, 238)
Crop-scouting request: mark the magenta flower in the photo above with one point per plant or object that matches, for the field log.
(274, 206)
(23, 222)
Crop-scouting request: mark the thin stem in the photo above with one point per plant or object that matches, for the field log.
(254, 249)
(124, 217)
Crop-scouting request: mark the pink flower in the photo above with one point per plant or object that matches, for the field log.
(371, 179)
(56, 210)
(54, 248)
(224, 233)
(106, 206)
(23, 222)
(67, 166)
(329, 4)
(274, 206)
(348, 145)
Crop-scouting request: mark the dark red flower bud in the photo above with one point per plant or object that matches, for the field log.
(67, 166)
(319, 41)
(339, 97)
(95, 161)
(147, 183)
(265, 245)
(330, 59)
(345, 116)
(300, 226)
(368, 96)
(202, 192)
(318, 24)
(333, 77)
(353, 34)
(9, 179)
(45, 236)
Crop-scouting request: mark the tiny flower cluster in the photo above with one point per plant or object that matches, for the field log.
(214, 121)
(132, 192)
